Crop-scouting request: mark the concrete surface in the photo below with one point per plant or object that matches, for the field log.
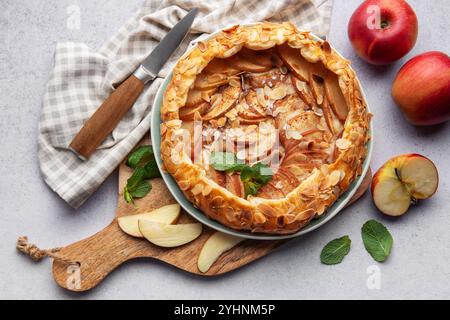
(419, 264)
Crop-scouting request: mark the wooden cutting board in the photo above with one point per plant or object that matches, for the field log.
(97, 256)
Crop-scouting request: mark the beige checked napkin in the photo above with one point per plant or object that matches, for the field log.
(83, 78)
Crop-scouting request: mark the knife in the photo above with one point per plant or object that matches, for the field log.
(108, 115)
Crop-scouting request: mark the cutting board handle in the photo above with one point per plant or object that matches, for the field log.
(93, 258)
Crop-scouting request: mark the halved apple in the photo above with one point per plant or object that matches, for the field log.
(167, 214)
(403, 180)
(214, 247)
(169, 235)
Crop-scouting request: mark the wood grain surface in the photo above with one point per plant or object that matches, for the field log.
(106, 117)
(95, 257)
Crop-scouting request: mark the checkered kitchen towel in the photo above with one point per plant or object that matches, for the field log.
(83, 78)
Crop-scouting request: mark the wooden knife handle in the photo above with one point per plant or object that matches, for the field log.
(107, 116)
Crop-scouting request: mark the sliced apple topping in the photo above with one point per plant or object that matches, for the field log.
(403, 180)
(214, 247)
(303, 90)
(167, 235)
(294, 61)
(263, 57)
(210, 81)
(240, 63)
(167, 214)
(188, 114)
(223, 104)
(335, 96)
(269, 78)
(318, 88)
(220, 66)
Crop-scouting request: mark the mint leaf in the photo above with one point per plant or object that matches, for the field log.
(335, 250)
(250, 188)
(141, 190)
(225, 161)
(255, 177)
(140, 157)
(377, 240)
(151, 169)
(136, 187)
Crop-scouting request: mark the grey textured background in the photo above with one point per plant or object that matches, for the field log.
(419, 264)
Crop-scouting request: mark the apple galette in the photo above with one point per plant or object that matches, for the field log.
(263, 127)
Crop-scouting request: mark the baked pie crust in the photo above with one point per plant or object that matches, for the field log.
(247, 81)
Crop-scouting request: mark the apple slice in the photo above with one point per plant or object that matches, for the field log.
(403, 180)
(224, 104)
(318, 88)
(169, 235)
(299, 65)
(234, 184)
(335, 96)
(271, 191)
(263, 57)
(303, 91)
(210, 81)
(187, 114)
(167, 214)
(294, 61)
(214, 247)
(238, 62)
(195, 97)
(220, 66)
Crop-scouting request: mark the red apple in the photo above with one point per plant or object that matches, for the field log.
(383, 31)
(422, 89)
(403, 180)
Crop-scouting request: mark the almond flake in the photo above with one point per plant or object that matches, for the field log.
(201, 46)
(197, 189)
(207, 190)
(334, 177)
(343, 144)
(278, 93)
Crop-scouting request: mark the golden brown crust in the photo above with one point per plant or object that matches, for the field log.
(315, 193)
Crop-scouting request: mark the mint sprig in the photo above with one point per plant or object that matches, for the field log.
(335, 250)
(377, 240)
(143, 161)
(253, 177)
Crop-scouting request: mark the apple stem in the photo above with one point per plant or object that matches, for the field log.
(384, 24)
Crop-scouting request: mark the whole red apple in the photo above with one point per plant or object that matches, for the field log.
(422, 89)
(383, 31)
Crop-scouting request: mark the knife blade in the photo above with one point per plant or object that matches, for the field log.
(112, 110)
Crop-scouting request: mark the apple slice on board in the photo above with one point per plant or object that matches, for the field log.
(402, 180)
(167, 214)
(169, 235)
(214, 247)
